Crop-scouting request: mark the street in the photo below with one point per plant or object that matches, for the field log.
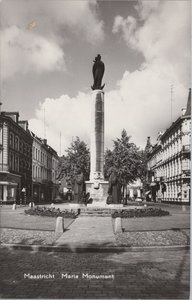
(126, 275)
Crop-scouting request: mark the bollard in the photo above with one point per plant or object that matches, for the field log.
(30, 205)
(118, 225)
(59, 228)
(14, 207)
(52, 204)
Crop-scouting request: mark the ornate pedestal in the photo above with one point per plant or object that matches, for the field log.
(98, 192)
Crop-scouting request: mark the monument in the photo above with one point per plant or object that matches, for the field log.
(97, 186)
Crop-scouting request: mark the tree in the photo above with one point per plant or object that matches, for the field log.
(125, 158)
(77, 157)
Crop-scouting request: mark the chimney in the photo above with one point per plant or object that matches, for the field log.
(148, 141)
(13, 115)
(23, 124)
(183, 110)
(148, 145)
(45, 141)
(188, 109)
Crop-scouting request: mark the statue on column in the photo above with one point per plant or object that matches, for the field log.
(98, 71)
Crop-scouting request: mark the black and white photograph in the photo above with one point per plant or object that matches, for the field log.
(95, 149)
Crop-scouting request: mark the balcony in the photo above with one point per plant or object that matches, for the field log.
(186, 148)
(186, 171)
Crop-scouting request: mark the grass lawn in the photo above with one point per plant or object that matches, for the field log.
(173, 221)
(18, 219)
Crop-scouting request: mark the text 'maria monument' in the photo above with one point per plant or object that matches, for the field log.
(97, 186)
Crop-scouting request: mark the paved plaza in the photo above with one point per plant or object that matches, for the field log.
(135, 275)
(121, 273)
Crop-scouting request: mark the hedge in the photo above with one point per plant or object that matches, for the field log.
(140, 213)
(51, 212)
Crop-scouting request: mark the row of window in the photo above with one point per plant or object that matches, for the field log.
(169, 152)
(42, 157)
(173, 169)
(175, 191)
(18, 165)
(173, 144)
(40, 173)
(1, 135)
(19, 145)
(185, 128)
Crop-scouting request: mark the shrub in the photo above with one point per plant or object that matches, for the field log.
(140, 213)
(51, 212)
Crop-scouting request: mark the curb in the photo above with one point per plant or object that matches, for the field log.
(98, 249)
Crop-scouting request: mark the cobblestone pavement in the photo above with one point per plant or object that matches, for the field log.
(153, 238)
(28, 237)
(129, 275)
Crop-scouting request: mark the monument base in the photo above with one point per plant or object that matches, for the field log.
(98, 192)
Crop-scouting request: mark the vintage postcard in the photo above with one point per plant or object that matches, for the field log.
(95, 142)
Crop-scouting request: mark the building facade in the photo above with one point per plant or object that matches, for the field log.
(44, 171)
(28, 166)
(15, 158)
(169, 161)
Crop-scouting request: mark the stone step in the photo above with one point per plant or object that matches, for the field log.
(95, 212)
(95, 215)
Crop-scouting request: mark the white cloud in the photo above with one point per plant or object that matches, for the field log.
(164, 40)
(140, 103)
(25, 52)
(34, 35)
(145, 8)
(55, 17)
(128, 27)
(70, 116)
(80, 16)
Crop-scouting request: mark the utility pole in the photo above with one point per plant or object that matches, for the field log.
(60, 144)
(44, 123)
(172, 103)
(2, 138)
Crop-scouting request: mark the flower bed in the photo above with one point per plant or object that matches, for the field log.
(140, 213)
(51, 212)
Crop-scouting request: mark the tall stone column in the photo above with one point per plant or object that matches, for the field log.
(97, 135)
(97, 186)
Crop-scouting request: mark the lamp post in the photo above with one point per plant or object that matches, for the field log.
(24, 195)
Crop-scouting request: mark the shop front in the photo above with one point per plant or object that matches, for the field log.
(9, 187)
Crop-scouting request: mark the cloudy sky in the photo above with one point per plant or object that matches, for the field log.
(47, 52)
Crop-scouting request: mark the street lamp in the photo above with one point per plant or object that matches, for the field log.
(24, 192)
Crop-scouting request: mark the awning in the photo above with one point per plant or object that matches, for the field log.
(8, 183)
